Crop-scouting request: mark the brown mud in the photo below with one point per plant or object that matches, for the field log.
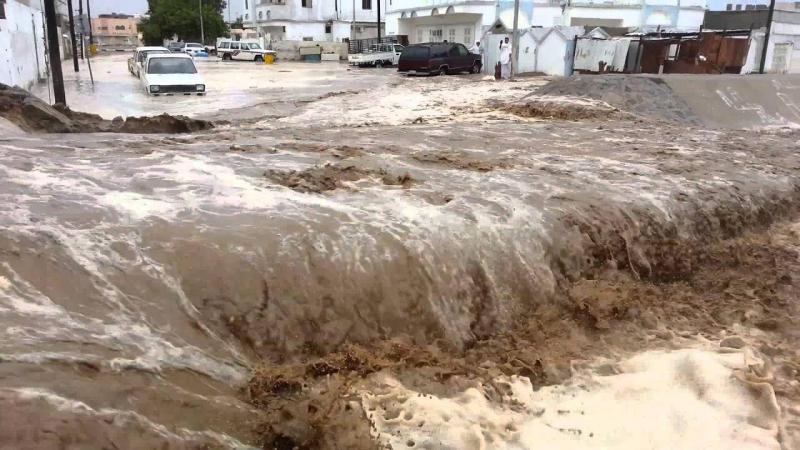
(328, 177)
(562, 109)
(741, 288)
(32, 114)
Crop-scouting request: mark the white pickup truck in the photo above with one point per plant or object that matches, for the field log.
(378, 55)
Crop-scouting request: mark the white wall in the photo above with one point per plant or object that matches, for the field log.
(782, 33)
(631, 17)
(21, 42)
(320, 11)
(546, 16)
(549, 56)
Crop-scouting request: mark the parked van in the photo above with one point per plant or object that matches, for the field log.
(249, 50)
(438, 58)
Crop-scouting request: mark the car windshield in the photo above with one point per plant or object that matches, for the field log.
(162, 66)
(255, 47)
(416, 52)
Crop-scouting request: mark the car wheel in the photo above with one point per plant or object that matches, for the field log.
(476, 68)
(442, 71)
(258, 59)
(226, 57)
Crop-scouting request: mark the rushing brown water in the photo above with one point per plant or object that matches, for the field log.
(143, 277)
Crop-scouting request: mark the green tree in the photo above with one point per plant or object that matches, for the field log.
(181, 18)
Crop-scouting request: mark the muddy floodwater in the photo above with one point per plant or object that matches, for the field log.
(429, 250)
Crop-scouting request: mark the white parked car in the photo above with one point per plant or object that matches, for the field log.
(136, 62)
(228, 50)
(171, 74)
(378, 55)
(193, 48)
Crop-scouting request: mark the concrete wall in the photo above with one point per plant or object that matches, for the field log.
(290, 50)
(22, 54)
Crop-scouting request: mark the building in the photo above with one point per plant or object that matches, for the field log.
(783, 49)
(313, 20)
(116, 31)
(640, 14)
(22, 49)
(452, 20)
(466, 21)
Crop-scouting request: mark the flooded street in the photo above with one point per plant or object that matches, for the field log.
(350, 256)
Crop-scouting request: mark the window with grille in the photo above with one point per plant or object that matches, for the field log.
(468, 36)
(452, 35)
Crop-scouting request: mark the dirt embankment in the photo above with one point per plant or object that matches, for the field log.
(745, 286)
(566, 108)
(32, 114)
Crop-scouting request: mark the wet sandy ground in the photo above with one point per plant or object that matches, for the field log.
(170, 267)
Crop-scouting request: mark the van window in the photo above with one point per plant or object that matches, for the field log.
(462, 51)
(440, 51)
(224, 45)
(254, 46)
(416, 52)
(234, 46)
(245, 46)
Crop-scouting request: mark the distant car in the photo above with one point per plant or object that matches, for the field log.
(228, 50)
(171, 74)
(136, 62)
(438, 58)
(193, 48)
(176, 47)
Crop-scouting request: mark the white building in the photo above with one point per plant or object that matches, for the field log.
(22, 50)
(470, 20)
(313, 20)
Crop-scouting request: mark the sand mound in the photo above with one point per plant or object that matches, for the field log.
(643, 96)
(31, 114)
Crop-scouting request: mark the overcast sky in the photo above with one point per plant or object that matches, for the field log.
(139, 7)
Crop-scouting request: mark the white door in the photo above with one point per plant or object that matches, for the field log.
(781, 57)
(794, 65)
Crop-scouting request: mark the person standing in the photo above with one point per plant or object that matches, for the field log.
(476, 49)
(505, 59)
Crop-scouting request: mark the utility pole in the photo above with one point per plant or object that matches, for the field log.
(55, 54)
(89, 13)
(80, 14)
(515, 43)
(379, 21)
(765, 47)
(202, 32)
(72, 35)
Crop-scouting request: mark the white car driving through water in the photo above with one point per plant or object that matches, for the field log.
(171, 74)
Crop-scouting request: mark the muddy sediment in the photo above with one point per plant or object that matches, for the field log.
(31, 114)
(333, 176)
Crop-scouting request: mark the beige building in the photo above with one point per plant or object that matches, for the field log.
(116, 31)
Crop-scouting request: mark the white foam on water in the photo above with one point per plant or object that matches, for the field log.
(684, 399)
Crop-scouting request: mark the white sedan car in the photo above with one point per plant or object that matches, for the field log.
(172, 74)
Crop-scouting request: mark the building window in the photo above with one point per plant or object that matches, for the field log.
(246, 16)
(246, 5)
(327, 28)
(120, 27)
(738, 7)
(260, 15)
(729, 7)
(306, 3)
(468, 36)
(2, 9)
(308, 38)
(366, 4)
